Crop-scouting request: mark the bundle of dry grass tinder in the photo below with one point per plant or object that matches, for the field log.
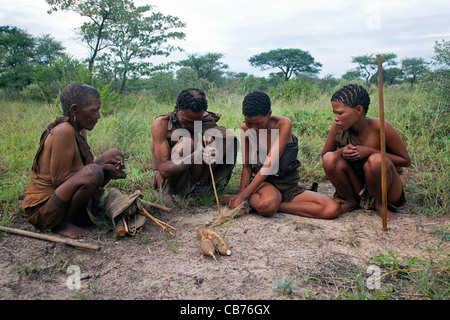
(213, 218)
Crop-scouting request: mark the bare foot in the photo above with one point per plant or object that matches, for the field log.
(69, 230)
(348, 206)
(390, 215)
(168, 200)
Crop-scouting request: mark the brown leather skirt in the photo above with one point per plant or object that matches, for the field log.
(47, 215)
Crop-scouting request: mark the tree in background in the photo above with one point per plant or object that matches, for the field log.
(101, 13)
(438, 82)
(441, 57)
(208, 66)
(413, 68)
(35, 67)
(188, 78)
(352, 75)
(16, 58)
(125, 32)
(49, 80)
(289, 61)
(367, 65)
(136, 38)
(47, 50)
(391, 76)
(364, 68)
(252, 83)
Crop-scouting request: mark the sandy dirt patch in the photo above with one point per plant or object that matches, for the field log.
(265, 250)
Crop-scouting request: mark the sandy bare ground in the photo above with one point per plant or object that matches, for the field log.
(265, 250)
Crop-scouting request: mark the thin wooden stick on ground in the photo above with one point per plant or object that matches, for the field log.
(45, 237)
(160, 223)
(157, 206)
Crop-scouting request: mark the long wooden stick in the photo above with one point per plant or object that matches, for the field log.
(212, 180)
(382, 143)
(45, 237)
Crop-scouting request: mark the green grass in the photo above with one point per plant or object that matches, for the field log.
(422, 121)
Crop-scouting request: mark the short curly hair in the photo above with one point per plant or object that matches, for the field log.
(193, 99)
(352, 95)
(77, 93)
(256, 103)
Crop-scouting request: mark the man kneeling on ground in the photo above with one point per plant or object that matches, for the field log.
(180, 159)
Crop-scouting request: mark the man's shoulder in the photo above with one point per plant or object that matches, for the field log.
(159, 125)
(161, 120)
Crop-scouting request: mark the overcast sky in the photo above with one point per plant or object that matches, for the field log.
(331, 30)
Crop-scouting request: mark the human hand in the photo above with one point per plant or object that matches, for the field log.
(238, 201)
(112, 156)
(232, 200)
(350, 152)
(117, 161)
(227, 199)
(364, 152)
(114, 171)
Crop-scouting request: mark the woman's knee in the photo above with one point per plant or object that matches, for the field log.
(266, 206)
(333, 162)
(329, 160)
(331, 210)
(374, 163)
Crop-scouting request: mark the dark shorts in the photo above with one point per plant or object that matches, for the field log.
(47, 215)
(288, 185)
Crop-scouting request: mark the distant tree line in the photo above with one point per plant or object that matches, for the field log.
(122, 39)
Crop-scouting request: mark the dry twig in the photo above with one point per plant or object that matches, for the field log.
(160, 223)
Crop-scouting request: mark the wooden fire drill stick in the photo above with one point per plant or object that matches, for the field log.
(212, 180)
